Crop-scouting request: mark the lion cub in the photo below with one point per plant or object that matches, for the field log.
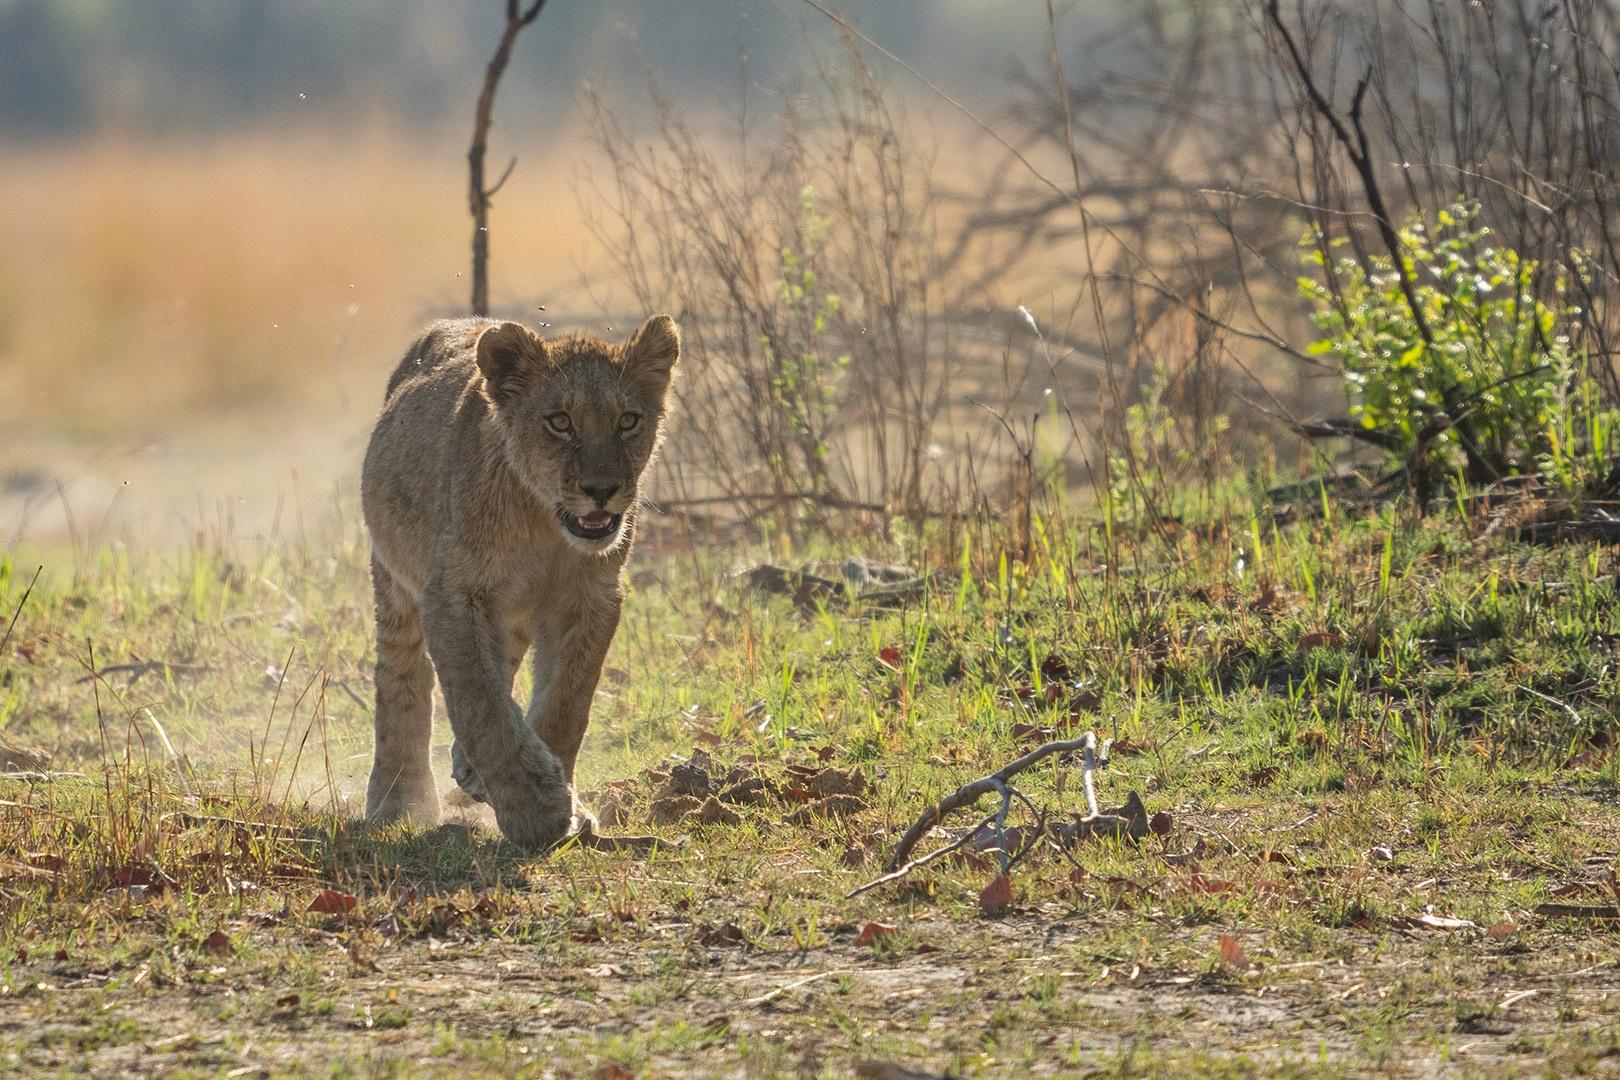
(500, 489)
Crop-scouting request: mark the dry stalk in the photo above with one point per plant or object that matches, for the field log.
(15, 615)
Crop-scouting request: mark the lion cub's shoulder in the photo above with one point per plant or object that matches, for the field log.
(448, 343)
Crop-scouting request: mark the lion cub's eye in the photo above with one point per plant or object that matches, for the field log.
(560, 422)
(629, 422)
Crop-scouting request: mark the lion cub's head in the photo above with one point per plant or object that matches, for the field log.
(581, 418)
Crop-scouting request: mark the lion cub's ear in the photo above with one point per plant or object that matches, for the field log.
(651, 354)
(507, 355)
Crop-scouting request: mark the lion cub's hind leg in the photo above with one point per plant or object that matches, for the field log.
(401, 772)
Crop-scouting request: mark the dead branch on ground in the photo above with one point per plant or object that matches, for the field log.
(1130, 820)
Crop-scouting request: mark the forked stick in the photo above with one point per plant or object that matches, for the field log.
(996, 781)
(1133, 822)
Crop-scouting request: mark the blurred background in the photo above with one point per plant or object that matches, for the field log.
(221, 222)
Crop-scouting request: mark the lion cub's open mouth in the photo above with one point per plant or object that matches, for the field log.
(596, 525)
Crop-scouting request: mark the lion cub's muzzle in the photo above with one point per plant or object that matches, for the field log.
(595, 525)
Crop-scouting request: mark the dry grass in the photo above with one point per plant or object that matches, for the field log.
(1358, 724)
(140, 282)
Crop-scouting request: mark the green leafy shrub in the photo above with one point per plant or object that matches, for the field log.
(1502, 378)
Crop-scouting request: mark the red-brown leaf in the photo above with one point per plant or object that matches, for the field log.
(218, 943)
(994, 897)
(332, 902)
(1198, 883)
(1161, 823)
(890, 657)
(1232, 954)
(871, 932)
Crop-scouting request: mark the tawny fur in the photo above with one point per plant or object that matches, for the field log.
(489, 438)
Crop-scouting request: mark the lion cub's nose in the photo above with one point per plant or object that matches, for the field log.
(601, 493)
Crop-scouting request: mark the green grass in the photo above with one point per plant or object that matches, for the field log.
(1353, 723)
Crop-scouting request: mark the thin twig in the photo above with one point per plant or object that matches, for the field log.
(191, 820)
(15, 615)
(832, 502)
(895, 875)
(772, 995)
(140, 667)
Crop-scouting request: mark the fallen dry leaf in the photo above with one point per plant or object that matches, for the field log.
(332, 902)
(1232, 954)
(1502, 930)
(994, 897)
(218, 943)
(1161, 823)
(871, 932)
(1198, 883)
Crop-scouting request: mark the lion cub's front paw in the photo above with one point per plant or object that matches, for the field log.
(533, 805)
(398, 797)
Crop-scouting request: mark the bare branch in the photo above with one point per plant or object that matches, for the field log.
(510, 165)
(970, 793)
(479, 195)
